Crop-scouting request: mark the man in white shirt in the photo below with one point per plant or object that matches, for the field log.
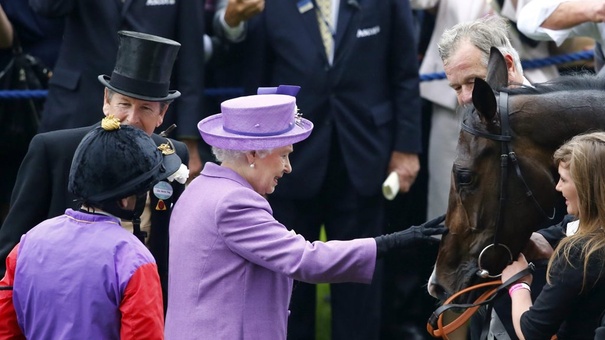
(559, 20)
(444, 122)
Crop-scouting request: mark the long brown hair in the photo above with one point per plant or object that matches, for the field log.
(584, 156)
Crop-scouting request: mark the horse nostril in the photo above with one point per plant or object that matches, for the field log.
(438, 292)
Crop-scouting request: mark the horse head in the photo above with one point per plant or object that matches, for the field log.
(502, 185)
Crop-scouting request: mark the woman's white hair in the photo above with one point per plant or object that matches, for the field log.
(225, 155)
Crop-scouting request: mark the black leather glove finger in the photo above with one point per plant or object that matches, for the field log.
(436, 230)
(421, 233)
(412, 236)
(436, 222)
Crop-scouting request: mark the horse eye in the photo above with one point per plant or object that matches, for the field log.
(464, 177)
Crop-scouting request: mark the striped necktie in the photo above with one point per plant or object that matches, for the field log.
(324, 18)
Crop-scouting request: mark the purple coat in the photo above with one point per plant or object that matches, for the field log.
(232, 264)
(71, 275)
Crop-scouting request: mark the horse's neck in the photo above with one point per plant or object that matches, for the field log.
(551, 119)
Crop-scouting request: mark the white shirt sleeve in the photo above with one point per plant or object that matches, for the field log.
(233, 34)
(536, 12)
(510, 9)
(423, 4)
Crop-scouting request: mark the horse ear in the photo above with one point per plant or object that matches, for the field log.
(484, 99)
(497, 72)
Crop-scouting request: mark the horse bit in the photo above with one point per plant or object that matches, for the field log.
(507, 154)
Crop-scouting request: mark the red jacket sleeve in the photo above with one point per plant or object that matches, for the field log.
(142, 307)
(9, 328)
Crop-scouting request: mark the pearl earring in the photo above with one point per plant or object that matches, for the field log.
(252, 165)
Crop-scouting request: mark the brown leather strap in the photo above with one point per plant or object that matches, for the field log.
(443, 331)
(435, 325)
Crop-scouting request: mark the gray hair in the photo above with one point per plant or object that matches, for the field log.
(223, 155)
(483, 33)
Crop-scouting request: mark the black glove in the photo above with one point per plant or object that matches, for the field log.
(410, 236)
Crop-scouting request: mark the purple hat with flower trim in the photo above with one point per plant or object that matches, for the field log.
(258, 122)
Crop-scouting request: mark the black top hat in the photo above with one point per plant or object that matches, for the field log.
(143, 67)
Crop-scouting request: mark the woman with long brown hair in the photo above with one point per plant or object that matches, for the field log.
(572, 301)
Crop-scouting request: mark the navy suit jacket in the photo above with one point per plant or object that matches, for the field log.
(368, 97)
(90, 45)
(38, 36)
(41, 193)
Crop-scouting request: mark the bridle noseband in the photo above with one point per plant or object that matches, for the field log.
(507, 154)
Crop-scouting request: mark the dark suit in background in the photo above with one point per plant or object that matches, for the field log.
(41, 38)
(38, 35)
(41, 193)
(89, 48)
(364, 106)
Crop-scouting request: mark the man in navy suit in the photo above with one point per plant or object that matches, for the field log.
(41, 38)
(89, 49)
(136, 93)
(364, 100)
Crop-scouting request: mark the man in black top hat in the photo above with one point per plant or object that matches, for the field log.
(137, 93)
(89, 48)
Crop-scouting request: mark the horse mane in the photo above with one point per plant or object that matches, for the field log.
(581, 81)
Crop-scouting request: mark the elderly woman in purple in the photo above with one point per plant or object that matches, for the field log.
(232, 265)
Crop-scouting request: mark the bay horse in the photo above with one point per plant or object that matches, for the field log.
(503, 178)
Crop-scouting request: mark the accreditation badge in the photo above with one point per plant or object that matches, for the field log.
(163, 191)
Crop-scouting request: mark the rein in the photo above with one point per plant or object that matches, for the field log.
(435, 325)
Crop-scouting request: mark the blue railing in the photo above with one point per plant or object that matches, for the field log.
(236, 91)
(530, 64)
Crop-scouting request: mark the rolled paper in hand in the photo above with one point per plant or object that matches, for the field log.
(390, 187)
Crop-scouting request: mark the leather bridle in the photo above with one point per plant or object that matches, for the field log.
(507, 156)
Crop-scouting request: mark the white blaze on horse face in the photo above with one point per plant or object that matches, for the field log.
(567, 188)
(431, 287)
(461, 69)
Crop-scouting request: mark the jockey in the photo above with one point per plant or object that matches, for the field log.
(81, 274)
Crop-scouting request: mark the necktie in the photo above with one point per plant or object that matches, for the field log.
(324, 18)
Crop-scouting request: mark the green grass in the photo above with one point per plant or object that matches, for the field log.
(323, 313)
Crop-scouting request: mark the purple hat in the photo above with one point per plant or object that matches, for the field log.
(291, 90)
(257, 122)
